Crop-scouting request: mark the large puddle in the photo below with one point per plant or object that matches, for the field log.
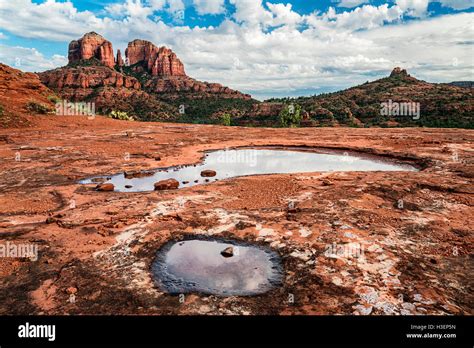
(216, 267)
(242, 162)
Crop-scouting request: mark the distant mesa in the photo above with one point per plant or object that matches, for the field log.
(463, 84)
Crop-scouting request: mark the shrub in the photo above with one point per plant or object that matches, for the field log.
(290, 115)
(1, 110)
(120, 115)
(54, 99)
(226, 120)
(38, 108)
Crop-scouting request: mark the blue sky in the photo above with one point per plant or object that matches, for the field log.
(266, 48)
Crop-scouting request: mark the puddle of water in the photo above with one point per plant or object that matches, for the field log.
(204, 266)
(242, 162)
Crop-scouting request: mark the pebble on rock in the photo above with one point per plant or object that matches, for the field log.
(228, 252)
(105, 187)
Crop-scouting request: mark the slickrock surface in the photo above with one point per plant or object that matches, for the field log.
(406, 237)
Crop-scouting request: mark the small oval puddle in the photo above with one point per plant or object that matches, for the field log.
(216, 267)
(244, 162)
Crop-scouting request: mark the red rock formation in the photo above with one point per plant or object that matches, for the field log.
(156, 61)
(92, 45)
(119, 59)
(112, 86)
(18, 90)
(87, 77)
(398, 72)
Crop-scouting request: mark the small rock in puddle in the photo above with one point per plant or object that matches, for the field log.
(216, 267)
(170, 184)
(208, 173)
(105, 187)
(228, 252)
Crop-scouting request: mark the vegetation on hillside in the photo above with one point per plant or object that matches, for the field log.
(209, 110)
(226, 119)
(38, 108)
(120, 115)
(441, 105)
(290, 115)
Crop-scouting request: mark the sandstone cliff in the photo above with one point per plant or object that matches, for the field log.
(92, 45)
(156, 61)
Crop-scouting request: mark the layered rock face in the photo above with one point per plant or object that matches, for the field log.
(92, 45)
(156, 61)
(87, 77)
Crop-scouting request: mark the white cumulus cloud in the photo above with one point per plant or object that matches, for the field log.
(351, 3)
(209, 6)
(29, 59)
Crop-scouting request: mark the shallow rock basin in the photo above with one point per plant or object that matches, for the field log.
(242, 162)
(199, 266)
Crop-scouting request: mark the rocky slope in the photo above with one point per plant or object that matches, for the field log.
(22, 94)
(441, 105)
(153, 75)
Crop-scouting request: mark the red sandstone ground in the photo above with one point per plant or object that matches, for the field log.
(99, 245)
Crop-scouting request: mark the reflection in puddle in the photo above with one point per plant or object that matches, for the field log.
(205, 266)
(241, 162)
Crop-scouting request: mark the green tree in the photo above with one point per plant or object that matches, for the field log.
(226, 119)
(290, 115)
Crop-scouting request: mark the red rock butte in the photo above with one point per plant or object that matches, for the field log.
(158, 61)
(92, 45)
